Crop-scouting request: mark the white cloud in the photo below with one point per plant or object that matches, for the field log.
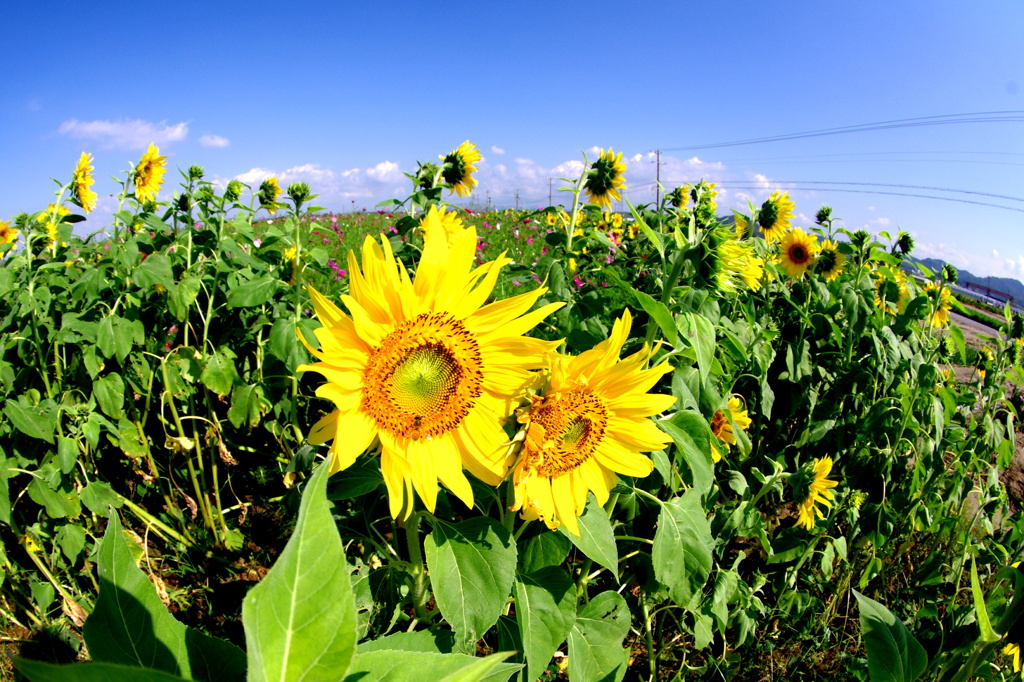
(497, 150)
(385, 171)
(214, 141)
(254, 176)
(124, 134)
(995, 253)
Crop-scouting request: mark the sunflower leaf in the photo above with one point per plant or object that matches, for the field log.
(545, 613)
(596, 538)
(300, 621)
(894, 655)
(472, 565)
(595, 641)
(682, 547)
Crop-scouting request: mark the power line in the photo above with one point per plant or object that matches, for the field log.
(944, 119)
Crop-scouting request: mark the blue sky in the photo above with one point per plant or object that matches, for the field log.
(347, 96)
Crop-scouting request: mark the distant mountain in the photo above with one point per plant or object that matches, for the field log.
(1009, 285)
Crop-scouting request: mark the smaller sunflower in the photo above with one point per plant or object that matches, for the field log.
(458, 168)
(149, 174)
(8, 235)
(774, 216)
(741, 225)
(797, 251)
(44, 217)
(940, 297)
(891, 292)
(605, 179)
(589, 425)
(551, 219)
(81, 181)
(722, 425)
(450, 222)
(269, 192)
(679, 197)
(830, 260)
(811, 486)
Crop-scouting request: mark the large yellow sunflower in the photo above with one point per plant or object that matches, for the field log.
(424, 367)
(774, 216)
(81, 181)
(830, 261)
(149, 174)
(721, 426)
(812, 486)
(591, 423)
(796, 252)
(458, 168)
(605, 178)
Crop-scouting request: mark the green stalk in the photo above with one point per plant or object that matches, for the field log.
(652, 658)
(419, 573)
(155, 523)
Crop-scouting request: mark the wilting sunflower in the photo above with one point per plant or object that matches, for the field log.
(458, 168)
(679, 197)
(774, 216)
(424, 367)
(149, 174)
(940, 318)
(591, 423)
(797, 251)
(8, 235)
(721, 425)
(605, 178)
(811, 486)
(829, 261)
(81, 181)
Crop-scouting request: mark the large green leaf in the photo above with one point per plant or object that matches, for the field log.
(109, 392)
(156, 269)
(697, 331)
(114, 337)
(37, 671)
(660, 313)
(38, 421)
(595, 641)
(596, 538)
(472, 565)
(682, 547)
(247, 405)
(692, 436)
(131, 626)
(545, 612)
(416, 666)
(300, 621)
(219, 373)
(893, 653)
(253, 293)
(543, 550)
(98, 496)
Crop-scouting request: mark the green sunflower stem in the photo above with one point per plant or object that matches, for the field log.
(418, 569)
(652, 658)
(666, 291)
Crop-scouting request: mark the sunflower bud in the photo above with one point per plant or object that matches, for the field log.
(427, 175)
(299, 193)
(195, 172)
(904, 244)
(823, 215)
(233, 191)
(679, 197)
(950, 273)
(859, 240)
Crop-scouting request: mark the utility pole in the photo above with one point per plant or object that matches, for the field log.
(517, 198)
(488, 200)
(657, 190)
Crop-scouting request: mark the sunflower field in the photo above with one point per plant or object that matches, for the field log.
(246, 438)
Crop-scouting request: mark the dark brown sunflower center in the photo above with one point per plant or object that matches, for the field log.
(798, 254)
(424, 377)
(718, 423)
(565, 428)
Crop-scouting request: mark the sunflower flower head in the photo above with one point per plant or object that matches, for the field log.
(775, 216)
(459, 168)
(605, 178)
(891, 291)
(51, 218)
(449, 221)
(8, 235)
(149, 174)
(939, 297)
(797, 252)
(589, 425)
(727, 261)
(722, 425)
(423, 368)
(269, 192)
(812, 486)
(830, 260)
(81, 183)
(679, 197)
